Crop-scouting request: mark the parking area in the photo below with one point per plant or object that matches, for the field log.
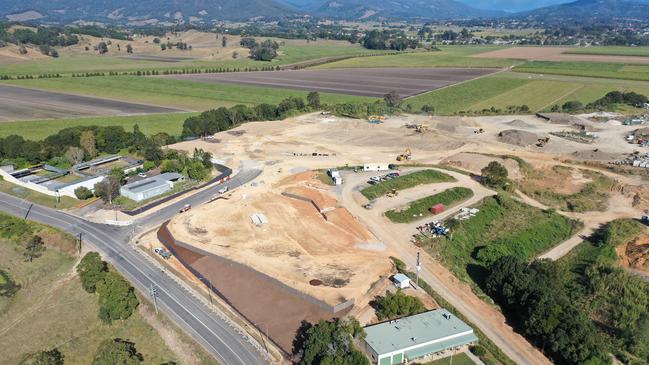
(374, 82)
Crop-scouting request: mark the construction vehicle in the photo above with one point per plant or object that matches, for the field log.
(393, 194)
(406, 155)
(375, 119)
(421, 128)
(542, 142)
(645, 219)
(479, 131)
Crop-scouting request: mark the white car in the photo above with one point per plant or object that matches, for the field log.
(223, 190)
(141, 174)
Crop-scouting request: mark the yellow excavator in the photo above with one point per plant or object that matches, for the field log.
(421, 128)
(406, 155)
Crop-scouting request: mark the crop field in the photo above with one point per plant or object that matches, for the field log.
(614, 51)
(171, 123)
(516, 88)
(449, 56)
(502, 227)
(291, 52)
(176, 93)
(374, 82)
(588, 69)
(406, 182)
(20, 103)
(421, 207)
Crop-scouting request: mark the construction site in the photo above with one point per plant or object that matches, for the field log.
(312, 247)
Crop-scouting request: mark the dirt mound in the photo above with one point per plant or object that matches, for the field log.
(596, 155)
(517, 137)
(641, 132)
(519, 124)
(636, 253)
(475, 162)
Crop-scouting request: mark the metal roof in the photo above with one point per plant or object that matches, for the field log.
(401, 278)
(435, 330)
(152, 182)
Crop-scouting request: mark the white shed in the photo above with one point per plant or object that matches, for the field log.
(401, 281)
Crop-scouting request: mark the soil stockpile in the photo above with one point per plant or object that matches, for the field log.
(518, 137)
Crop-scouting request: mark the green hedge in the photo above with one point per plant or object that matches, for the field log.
(422, 206)
(406, 182)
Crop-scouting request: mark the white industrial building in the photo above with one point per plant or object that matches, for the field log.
(150, 187)
(416, 337)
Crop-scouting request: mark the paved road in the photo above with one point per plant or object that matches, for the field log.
(213, 332)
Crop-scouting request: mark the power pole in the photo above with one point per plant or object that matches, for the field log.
(80, 235)
(28, 210)
(153, 291)
(418, 267)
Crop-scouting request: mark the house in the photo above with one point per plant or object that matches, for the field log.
(416, 337)
(401, 281)
(150, 187)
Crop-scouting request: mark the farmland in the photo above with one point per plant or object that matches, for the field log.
(612, 51)
(405, 182)
(174, 93)
(588, 69)
(170, 123)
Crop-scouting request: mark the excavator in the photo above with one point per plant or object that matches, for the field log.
(421, 128)
(406, 155)
(542, 141)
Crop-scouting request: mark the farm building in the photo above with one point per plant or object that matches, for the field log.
(376, 167)
(416, 337)
(401, 281)
(150, 187)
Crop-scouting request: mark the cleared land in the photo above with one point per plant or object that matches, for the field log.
(171, 123)
(557, 54)
(20, 103)
(374, 82)
(176, 93)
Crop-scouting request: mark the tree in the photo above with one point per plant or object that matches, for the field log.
(108, 189)
(248, 42)
(102, 47)
(129, 48)
(117, 298)
(74, 155)
(224, 41)
(263, 53)
(51, 357)
(54, 53)
(313, 100)
(156, 40)
(163, 47)
(428, 109)
(34, 248)
(88, 142)
(395, 305)
(83, 193)
(392, 99)
(22, 49)
(572, 106)
(91, 271)
(117, 352)
(331, 343)
(495, 175)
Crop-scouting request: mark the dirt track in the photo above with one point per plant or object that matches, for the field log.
(17, 103)
(374, 82)
(556, 54)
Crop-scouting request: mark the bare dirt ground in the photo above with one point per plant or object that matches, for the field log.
(374, 82)
(285, 150)
(635, 254)
(556, 54)
(17, 103)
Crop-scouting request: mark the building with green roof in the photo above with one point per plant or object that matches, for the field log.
(414, 337)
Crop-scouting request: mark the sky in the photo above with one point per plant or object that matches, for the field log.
(512, 5)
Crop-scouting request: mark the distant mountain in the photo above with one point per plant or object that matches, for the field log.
(405, 9)
(512, 6)
(591, 10)
(141, 11)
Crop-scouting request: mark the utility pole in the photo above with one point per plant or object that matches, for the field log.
(153, 291)
(80, 235)
(418, 267)
(209, 287)
(28, 210)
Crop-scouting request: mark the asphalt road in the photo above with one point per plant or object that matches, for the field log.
(214, 333)
(374, 82)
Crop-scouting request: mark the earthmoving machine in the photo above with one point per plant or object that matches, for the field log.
(393, 193)
(406, 155)
(542, 142)
(421, 128)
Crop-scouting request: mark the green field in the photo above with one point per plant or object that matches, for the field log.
(405, 182)
(502, 227)
(176, 93)
(589, 69)
(149, 124)
(52, 310)
(449, 56)
(292, 52)
(514, 88)
(36, 197)
(421, 207)
(459, 359)
(612, 51)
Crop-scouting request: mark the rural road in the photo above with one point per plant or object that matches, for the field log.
(397, 237)
(214, 333)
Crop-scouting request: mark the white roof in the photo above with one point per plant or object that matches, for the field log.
(401, 278)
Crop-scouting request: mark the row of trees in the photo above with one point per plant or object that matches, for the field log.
(607, 102)
(377, 39)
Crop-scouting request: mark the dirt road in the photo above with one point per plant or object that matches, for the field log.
(484, 316)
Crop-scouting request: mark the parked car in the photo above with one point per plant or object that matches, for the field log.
(141, 174)
(223, 190)
(185, 208)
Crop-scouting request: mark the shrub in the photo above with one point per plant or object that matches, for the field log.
(478, 350)
(91, 270)
(395, 305)
(83, 193)
(117, 298)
